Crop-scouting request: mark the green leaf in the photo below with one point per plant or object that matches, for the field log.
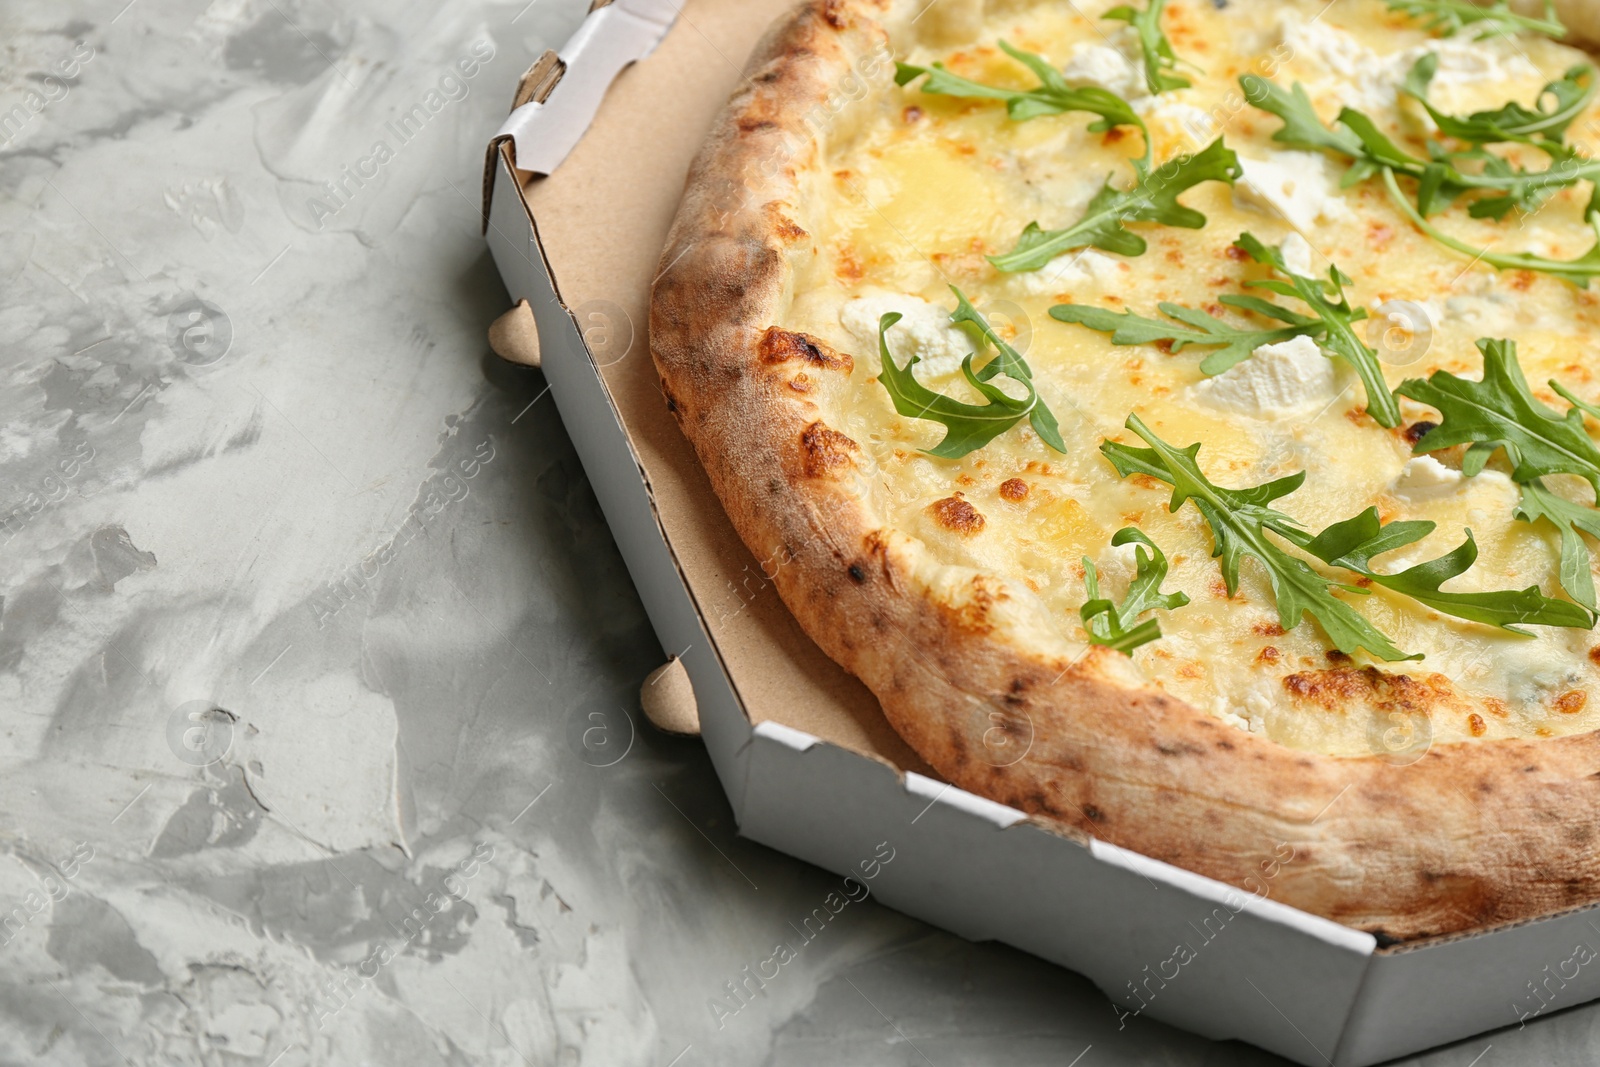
(968, 426)
(1353, 543)
(1449, 17)
(1576, 271)
(1239, 520)
(1194, 327)
(1501, 412)
(1009, 362)
(1118, 627)
(1441, 181)
(1301, 126)
(1568, 96)
(1153, 198)
(1570, 520)
(1328, 303)
(1159, 59)
(1052, 96)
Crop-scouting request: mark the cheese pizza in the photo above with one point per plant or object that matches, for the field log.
(1179, 416)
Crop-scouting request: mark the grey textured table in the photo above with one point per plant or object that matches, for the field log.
(257, 458)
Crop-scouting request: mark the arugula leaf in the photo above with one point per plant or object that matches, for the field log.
(1330, 325)
(1513, 122)
(1301, 126)
(1501, 412)
(1353, 543)
(1576, 271)
(1052, 96)
(1328, 302)
(1439, 180)
(1009, 362)
(1576, 569)
(1566, 394)
(1239, 520)
(1117, 627)
(1450, 17)
(1197, 328)
(1159, 59)
(968, 426)
(1153, 198)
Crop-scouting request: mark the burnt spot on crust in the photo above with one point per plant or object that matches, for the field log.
(672, 401)
(857, 573)
(1037, 803)
(1093, 814)
(786, 228)
(1339, 688)
(824, 451)
(956, 514)
(1014, 490)
(751, 125)
(778, 345)
(973, 613)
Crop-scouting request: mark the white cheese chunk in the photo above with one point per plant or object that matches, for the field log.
(1118, 564)
(1465, 67)
(1424, 476)
(1106, 67)
(1197, 124)
(1072, 270)
(1294, 185)
(924, 332)
(1336, 51)
(1291, 377)
(1296, 252)
(1363, 79)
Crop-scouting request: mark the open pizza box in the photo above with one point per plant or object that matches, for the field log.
(580, 187)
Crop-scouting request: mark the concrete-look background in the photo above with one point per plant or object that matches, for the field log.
(319, 736)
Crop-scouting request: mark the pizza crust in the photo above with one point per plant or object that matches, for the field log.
(1463, 837)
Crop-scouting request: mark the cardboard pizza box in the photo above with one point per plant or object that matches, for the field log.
(580, 186)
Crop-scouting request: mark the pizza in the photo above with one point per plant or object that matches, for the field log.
(1180, 416)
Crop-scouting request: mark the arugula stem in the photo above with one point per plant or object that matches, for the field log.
(1490, 20)
(1577, 271)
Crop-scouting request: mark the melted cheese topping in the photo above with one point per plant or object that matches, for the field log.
(921, 194)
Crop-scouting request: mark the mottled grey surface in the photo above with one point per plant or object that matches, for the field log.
(307, 607)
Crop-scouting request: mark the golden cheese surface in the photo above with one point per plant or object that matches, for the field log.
(930, 185)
